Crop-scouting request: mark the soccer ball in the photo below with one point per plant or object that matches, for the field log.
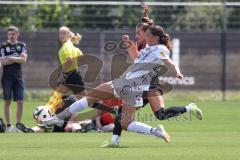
(41, 113)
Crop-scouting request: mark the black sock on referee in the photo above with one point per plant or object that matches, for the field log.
(163, 114)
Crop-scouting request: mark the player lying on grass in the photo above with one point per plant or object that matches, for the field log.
(101, 120)
(74, 123)
(131, 85)
(104, 121)
(56, 103)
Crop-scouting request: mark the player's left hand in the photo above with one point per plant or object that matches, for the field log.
(179, 76)
(125, 38)
(133, 47)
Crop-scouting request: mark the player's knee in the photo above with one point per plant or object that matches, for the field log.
(90, 101)
(81, 94)
(7, 103)
(19, 103)
(124, 124)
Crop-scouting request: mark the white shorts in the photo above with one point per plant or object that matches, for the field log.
(135, 80)
(127, 93)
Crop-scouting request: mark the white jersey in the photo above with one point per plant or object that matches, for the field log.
(148, 58)
(137, 78)
(150, 53)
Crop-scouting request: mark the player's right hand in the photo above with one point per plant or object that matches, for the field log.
(179, 76)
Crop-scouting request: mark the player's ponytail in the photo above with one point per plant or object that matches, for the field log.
(147, 20)
(169, 42)
(145, 23)
(75, 38)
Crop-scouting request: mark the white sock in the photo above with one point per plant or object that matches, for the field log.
(139, 127)
(188, 108)
(79, 105)
(115, 138)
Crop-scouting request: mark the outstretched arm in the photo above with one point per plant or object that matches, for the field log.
(169, 63)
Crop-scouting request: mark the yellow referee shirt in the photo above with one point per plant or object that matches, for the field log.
(69, 51)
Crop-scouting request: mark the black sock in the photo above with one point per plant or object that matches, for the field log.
(163, 114)
(9, 125)
(117, 130)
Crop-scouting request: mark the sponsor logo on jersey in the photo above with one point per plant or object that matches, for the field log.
(162, 54)
(13, 49)
(15, 54)
(7, 49)
(19, 48)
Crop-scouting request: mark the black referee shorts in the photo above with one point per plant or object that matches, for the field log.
(74, 82)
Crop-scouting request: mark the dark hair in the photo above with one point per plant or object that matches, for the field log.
(159, 32)
(145, 23)
(13, 28)
(144, 26)
(169, 45)
(147, 20)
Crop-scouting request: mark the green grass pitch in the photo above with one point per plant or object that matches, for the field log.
(216, 137)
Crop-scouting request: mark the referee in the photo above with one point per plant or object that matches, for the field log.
(13, 55)
(70, 79)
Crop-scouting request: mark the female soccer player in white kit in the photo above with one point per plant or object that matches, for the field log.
(131, 85)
